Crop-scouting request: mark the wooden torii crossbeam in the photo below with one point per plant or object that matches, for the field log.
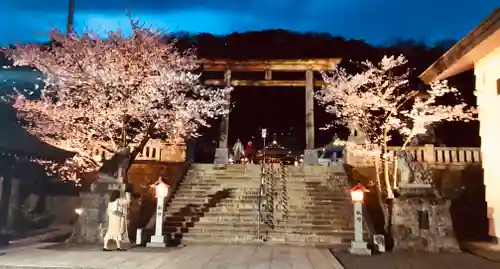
(309, 66)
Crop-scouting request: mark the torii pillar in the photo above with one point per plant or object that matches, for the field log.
(222, 151)
(310, 154)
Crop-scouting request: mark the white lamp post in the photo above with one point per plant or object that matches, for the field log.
(358, 245)
(161, 190)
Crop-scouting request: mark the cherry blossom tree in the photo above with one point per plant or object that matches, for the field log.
(378, 101)
(111, 93)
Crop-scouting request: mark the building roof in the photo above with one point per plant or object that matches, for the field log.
(470, 49)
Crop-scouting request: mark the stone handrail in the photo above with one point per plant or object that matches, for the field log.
(155, 150)
(430, 154)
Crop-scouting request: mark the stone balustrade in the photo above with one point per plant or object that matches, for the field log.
(155, 150)
(429, 154)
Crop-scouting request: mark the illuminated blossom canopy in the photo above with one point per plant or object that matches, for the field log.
(113, 92)
(379, 101)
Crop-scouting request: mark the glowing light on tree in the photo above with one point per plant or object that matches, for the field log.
(378, 101)
(113, 92)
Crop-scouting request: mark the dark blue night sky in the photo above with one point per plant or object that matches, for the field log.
(376, 21)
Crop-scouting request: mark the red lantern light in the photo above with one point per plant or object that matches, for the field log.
(357, 193)
(161, 189)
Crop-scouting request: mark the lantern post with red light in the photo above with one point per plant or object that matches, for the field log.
(358, 245)
(161, 191)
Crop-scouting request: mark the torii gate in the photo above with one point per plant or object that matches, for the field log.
(309, 66)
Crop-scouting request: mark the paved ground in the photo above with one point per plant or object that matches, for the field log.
(190, 257)
(488, 251)
(416, 260)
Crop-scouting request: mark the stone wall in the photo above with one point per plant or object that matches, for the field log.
(421, 222)
(63, 208)
(88, 229)
(60, 208)
(462, 185)
(142, 176)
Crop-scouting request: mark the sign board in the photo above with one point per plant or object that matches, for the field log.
(264, 133)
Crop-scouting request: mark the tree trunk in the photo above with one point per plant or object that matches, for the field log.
(379, 184)
(388, 186)
(141, 145)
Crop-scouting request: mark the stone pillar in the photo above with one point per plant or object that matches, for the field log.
(92, 221)
(14, 206)
(429, 154)
(310, 155)
(5, 200)
(222, 152)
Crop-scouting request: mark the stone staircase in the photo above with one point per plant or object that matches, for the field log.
(319, 209)
(302, 206)
(215, 204)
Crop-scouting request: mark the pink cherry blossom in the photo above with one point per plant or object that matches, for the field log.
(378, 101)
(114, 92)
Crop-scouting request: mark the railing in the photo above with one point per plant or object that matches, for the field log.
(429, 154)
(442, 155)
(283, 194)
(155, 150)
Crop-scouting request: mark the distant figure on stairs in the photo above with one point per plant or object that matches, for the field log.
(333, 150)
(249, 152)
(238, 151)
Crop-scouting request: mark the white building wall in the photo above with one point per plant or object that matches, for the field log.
(487, 72)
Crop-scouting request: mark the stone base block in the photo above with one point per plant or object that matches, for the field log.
(221, 156)
(157, 241)
(359, 248)
(310, 157)
(423, 224)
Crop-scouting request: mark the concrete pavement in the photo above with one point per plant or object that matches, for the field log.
(189, 257)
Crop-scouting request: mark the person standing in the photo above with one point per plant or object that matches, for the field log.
(249, 152)
(116, 212)
(238, 151)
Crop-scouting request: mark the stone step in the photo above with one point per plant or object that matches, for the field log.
(251, 216)
(219, 186)
(335, 238)
(210, 191)
(212, 218)
(207, 197)
(340, 239)
(224, 208)
(245, 214)
(253, 199)
(232, 217)
(200, 202)
(227, 240)
(186, 188)
(292, 216)
(296, 194)
(249, 222)
(224, 178)
(294, 202)
(197, 229)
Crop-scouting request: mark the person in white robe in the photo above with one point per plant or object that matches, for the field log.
(116, 211)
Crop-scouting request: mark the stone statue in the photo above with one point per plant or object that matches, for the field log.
(411, 172)
(403, 168)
